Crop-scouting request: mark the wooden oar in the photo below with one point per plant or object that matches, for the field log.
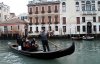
(54, 44)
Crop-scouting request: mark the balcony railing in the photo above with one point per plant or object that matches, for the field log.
(43, 23)
(49, 11)
(49, 22)
(30, 12)
(30, 23)
(36, 12)
(56, 22)
(56, 11)
(42, 11)
(89, 12)
(36, 23)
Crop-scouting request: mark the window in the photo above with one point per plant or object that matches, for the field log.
(63, 7)
(64, 20)
(78, 28)
(99, 19)
(5, 28)
(83, 19)
(56, 10)
(77, 3)
(83, 7)
(93, 1)
(99, 27)
(84, 28)
(77, 6)
(30, 29)
(64, 28)
(37, 29)
(11, 27)
(18, 27)
(98, 5)
(94, 28)
(36, 18)
(43, 28)
(42, 10)
(49, 9)
(49, 18)
(94, 19)
(82, 1)
(36, 10)
(56, 28)
(78, 20)
(43, 20)
(30, 10)
(88, 5)
(56, 19)
(30, 19)
(93, 7)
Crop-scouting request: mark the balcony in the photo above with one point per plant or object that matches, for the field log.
(89, 12)
(49, 22)
(49, 11)
(43, 23)
(30, 23)
(56, 11)
(42, 11)
(56, 22)
(36, 23)
(30, 12)
(36, 12)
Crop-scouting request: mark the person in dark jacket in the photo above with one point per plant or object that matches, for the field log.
(44, 39)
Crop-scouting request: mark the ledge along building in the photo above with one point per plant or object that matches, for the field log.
(64, 17)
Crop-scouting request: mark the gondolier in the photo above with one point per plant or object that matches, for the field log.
(44, 39)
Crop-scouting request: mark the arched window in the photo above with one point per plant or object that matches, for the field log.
(88, 5)
(77, 6)
(77, 3)
(63, 3)
(63, 6)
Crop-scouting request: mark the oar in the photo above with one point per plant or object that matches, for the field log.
(54, 44)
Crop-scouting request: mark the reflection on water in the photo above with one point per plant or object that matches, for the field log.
(86, 52)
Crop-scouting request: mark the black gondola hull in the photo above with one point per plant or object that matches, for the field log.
(45, 55)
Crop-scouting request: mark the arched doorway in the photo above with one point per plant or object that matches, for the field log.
(89, 27)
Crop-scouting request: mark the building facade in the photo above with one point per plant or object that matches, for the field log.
(13, 26)
(88, 16)
(64, 17)
(4, 12)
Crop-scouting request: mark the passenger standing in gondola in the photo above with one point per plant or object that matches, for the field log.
(44, 39)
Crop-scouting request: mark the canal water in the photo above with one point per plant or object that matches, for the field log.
(86, 52)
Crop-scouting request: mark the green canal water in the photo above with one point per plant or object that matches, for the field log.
(86, 52)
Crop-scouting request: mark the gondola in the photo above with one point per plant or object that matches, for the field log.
(44, 55)
(88, 37)
(76, 38)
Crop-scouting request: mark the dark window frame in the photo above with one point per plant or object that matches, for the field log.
(84, 28)
(94, 19)
(56, 28)
(78, 28)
